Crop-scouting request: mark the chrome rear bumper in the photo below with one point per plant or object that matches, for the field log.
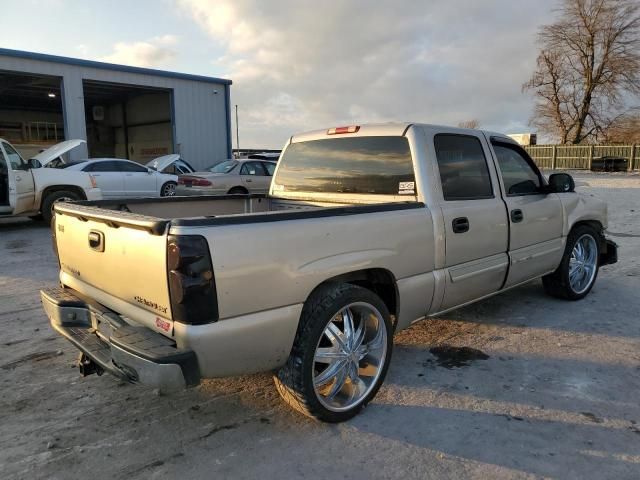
(135, 354)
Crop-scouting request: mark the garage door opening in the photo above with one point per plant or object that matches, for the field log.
(127, 121)
(31, 115)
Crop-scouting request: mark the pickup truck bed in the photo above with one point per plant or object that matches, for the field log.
(156, 214)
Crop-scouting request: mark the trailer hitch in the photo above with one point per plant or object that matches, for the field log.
(88, 366)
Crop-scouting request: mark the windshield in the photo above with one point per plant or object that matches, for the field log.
(370, 165)
(224, 167)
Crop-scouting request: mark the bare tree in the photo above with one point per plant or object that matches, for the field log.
(626, 130)
(475, 124)
(588, 69)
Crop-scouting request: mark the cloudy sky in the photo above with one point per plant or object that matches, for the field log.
(300, 65)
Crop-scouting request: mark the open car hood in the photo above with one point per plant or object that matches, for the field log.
(160, 163)
(57, 150)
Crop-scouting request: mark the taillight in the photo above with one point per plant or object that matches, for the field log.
(197, 181)
(94, 184)
(192, 287)
(339, 130)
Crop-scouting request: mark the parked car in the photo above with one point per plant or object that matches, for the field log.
(273, 156)
(28, 189)
(118, 178)
(365, 230)
(229, 177)
(610, 164)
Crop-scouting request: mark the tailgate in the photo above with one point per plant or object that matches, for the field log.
(116, 256)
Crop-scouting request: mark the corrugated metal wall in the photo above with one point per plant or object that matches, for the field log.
(200, 116)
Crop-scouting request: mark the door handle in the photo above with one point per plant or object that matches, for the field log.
(460, 225)
(18, 178)
(517, 216)
(249, 180)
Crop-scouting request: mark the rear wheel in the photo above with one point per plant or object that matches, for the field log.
(52, 198)
(168, 189)
(238, 191)
(340, 354)
(578, 270)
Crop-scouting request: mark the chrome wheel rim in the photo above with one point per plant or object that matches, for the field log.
(583, 264)
(169, 190)
(349, 357)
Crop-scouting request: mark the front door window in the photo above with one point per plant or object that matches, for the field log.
(518, 176)
(15, 160)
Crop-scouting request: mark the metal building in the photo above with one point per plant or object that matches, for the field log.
(122, 111)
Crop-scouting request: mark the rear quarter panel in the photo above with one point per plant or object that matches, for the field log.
(262, 266)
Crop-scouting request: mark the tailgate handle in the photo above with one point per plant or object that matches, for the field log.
(96, 240)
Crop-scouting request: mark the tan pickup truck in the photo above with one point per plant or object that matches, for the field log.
(365, 230)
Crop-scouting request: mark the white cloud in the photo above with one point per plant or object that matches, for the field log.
(155, 52)
(299, 65)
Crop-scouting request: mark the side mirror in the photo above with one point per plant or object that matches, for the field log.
(33, 163)
(561, 183)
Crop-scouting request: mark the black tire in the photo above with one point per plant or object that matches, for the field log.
(238, 191)
(36, 218)
(557, 284)
(294, 381)
(51, 199)
(164, 190)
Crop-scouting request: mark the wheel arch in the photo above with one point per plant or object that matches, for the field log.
(238, 187)
(602, 241)
(165, 183)
(596, 225)
(58, 188)
(380, 281)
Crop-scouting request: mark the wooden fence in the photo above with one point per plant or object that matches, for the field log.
(569, 157)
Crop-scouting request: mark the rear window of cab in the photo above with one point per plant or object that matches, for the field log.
(364, 165)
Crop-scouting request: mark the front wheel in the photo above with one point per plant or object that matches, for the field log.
(578, 270)
(168, 189)
(340, 354)
(51, 199)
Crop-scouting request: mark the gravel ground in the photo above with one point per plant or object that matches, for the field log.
(551, 390)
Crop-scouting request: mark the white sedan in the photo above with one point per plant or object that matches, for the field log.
(118, 178)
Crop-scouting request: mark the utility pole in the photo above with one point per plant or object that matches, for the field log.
(237, 135)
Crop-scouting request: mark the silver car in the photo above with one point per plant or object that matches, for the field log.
(229, 177)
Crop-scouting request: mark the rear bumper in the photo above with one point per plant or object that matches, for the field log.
(135, 354)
